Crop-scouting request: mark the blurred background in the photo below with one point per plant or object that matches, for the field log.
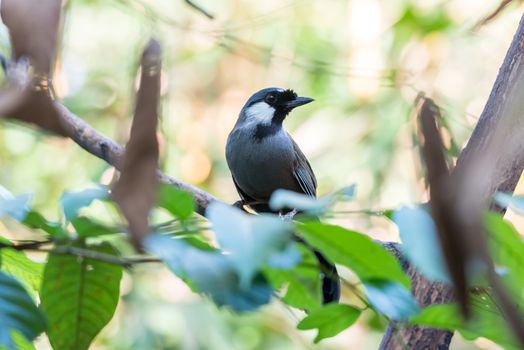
(364, 62)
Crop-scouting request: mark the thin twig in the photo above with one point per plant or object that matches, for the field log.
(200, 9)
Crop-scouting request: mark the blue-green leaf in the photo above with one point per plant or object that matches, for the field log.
(251, 241)
(282, 199)
(391, 299)
(507, 200)
(16, 207)
(330, 320)
(18, 313)
(211, 273)
(420, 242)
(72, 202)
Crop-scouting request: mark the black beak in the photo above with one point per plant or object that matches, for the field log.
(299, 101)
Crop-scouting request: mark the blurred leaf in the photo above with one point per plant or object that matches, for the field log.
(18, 312)
(330, 320)
(35, 220)
(358, 252)
(391, 299)
(177, 202)
(420, 242)
(486, 321)
(33, 30)
(505, 200)
(251, 241)
(20, 342)
(79, 297)
(135, 190)
(72, 202)
(211, 273)
(507, 250)
(86, 227)
(282, 199)
(17, 264)
(16, 207)
(302, 283)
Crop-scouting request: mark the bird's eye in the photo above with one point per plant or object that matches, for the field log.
(271, 98)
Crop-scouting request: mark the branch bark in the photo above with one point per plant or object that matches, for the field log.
(502, 110)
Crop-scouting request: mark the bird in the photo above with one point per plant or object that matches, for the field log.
(263, 157)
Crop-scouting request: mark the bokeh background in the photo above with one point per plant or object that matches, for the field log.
(364, 61)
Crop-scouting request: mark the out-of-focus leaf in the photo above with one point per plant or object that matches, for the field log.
(302, 284)
(485, 321)
(16, 207)
(288, 199)
(515, 203)
(33, 30)
(17, 264)
(18, 312)
(420, 242)
(136, 189)
(79, 297)
(86, 227)
(211, 273)
(177, 202)
(507, 250)
(330, 320)
(72, 202)
(34, 220)
(358, 252)
(250, 241)
(391, 299)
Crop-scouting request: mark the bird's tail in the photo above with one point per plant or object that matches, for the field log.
(330, 279)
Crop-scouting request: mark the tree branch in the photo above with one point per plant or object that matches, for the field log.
(501, 108)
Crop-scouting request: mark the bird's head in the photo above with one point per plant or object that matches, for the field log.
(270, 106)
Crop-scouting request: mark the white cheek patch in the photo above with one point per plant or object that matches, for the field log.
(260, 113)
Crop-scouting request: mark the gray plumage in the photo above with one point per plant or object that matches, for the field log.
(263, 157)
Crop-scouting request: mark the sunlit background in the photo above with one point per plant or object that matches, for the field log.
(364, 62)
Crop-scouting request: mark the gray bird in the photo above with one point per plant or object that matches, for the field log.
(262, 158)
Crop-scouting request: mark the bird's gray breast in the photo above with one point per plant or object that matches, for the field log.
(261, 165)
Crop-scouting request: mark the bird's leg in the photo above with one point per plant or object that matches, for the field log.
(240, 205)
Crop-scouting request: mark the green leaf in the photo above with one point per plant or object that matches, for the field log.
(211, 274)
(507, 249)
(16, 207)
(420, 242)
(86, 227)
(18, 312)
(302, 283)
(79, 297)
(72, 202)
(358, 252)
(35, 220)
(17, 264)
(179, 203)
(250, 241)
(391, 299)
(330, 320)
(486, 320)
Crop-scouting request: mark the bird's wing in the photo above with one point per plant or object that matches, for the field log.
(245, 198)
(303, 173)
